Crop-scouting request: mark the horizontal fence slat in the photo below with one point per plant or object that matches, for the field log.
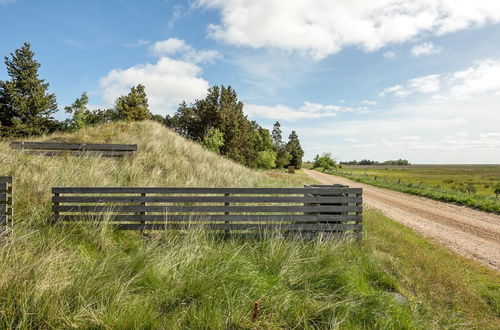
(215, 217)
(256, 191)
(7, 201)
(203, 199)
(5, 179)
(81, 153)
(147, 208)
(230, 226)
(73, 146)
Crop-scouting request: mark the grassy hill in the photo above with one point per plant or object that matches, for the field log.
(92, 277)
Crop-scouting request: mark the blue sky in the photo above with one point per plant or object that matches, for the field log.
(378, 79)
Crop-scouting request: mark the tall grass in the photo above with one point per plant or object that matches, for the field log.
(89, 276)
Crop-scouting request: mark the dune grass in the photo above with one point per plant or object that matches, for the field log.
(89, 276)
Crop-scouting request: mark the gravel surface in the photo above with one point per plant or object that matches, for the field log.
(471, 233)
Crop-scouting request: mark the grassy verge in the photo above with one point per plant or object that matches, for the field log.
(88, 276)
(481, 202)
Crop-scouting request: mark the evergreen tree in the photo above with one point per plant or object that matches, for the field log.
(219, 109)
(295, 150)
(133, 106)
(25, 104)
(279, 147)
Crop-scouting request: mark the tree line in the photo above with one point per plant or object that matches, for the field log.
(374, 162)
(217, 121)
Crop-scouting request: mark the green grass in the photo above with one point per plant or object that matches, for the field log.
(442, 182)
(89, 276)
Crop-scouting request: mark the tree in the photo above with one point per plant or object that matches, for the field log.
(213, 140)
(279, 147)
(81, 114)
(25, 104)
(220, 109)
(133, 106)
(324, 161)
(295, 151)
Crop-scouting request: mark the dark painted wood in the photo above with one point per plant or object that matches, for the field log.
(231, 208)
(73, 146)
(214, 217)
(204, 199)
(234, 226)
(187, 190)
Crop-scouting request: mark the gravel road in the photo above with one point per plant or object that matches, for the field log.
(469, 232)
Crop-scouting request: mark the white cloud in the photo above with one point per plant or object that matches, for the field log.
(308, 110)
(476, 81)
(427, 48)
(389, 54)
(174, 46)
(167, 82)
(369, 102)
(323, 27)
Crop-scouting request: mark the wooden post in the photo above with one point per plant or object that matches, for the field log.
(6, 209)
(227, 231)
(143, 222)
(291, 169)
(56, 213)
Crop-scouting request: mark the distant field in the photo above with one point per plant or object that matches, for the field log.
(471, 185)
(449, 177)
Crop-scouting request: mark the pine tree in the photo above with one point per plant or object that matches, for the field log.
(133, 106)
(295, 150)
(25, 104)
(282, 155)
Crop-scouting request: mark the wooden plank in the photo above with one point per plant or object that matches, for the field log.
(73, 146)
(7, 201)
(233, 226)
(203, 199)
(82, 153)
(3, 197)
(239, 209)
(256, 191)
(5, 179)
(214, 217)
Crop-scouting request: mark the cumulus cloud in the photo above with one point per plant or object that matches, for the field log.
(427, 48)
(480, 79)
(167, 82)
(308, 110)
(323, 27)
(174, 46)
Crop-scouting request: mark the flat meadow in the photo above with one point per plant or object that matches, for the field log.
(472, 185)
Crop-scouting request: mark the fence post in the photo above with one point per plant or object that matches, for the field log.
(6, 202)
(143, 222)
(227, 231)
(55, 203)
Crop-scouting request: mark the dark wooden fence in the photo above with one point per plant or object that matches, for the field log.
(53, 149)
(5, 201)
(314, 208)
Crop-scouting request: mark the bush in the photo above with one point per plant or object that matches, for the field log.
(266, 159)
(213, 140)
(325, 162)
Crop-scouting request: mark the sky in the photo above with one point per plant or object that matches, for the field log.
(376, 79)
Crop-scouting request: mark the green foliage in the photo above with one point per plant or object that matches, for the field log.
(213, 140)
(295, 150)
(471, 189)
(282, 155)
(133, 106)
(497, 190)
(220, 109)
(266, 159)
(80, 113)
(325, 162)
(25, 104)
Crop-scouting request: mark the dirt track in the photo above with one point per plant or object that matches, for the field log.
(471, 233)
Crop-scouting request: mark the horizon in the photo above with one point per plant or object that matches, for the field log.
(377, 80)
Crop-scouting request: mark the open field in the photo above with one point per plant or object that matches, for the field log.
(93, 277)
(450, 183)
